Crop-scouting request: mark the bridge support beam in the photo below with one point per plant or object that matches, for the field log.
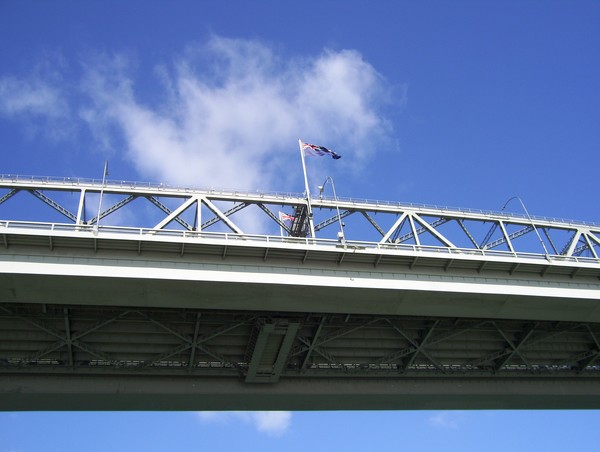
(98, 392)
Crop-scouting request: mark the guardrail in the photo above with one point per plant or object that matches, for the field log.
(232, 238)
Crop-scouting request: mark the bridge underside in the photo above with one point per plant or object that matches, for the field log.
(76, 357)
(105, 323)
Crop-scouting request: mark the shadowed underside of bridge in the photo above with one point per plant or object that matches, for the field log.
(136, 318)
(89, 330)
(119, 358)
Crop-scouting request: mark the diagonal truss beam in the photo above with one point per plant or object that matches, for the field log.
(427, 227)
(395, 226)
(461, 223)
(592, 356)
(319, 351)
(274, 218)
(373, 222)
(549, 238)
(175, 214)
(589, 238)
(56, 206)
(411, 221)
(511, 236)
(569, 248)
(332, 220)
(312, 345)
(432, 230)
(64, 339)
(189, 343)
(169, 212)
(340, 332)
(419, 347)
(223, 216)
(113, 208)
(516, 349)
(394, 356)
(9, 195)
(489, 235)
(317, 345)
(505, 234)
(491, 357)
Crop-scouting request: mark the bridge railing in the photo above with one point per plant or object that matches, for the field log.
(113, 232)
(132, 185)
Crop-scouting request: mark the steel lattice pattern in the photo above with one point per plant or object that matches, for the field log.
(267, 346)
(130, 208)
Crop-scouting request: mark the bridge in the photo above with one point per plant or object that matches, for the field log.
(124, 296)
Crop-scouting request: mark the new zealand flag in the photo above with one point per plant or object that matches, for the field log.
(314, 150)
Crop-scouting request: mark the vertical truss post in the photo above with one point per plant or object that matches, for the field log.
(198, 217)
(414, 230)
(81, 209)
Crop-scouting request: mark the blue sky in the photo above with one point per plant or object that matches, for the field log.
(463, 103)
(351, 431)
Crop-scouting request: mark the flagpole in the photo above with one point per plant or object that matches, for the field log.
(309, 208)
(280, 228)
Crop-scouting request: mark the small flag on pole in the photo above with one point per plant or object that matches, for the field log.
(285, 217)
(320, 151)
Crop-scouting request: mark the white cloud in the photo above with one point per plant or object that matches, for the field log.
(38, 103)
(30, 97)
(224, 114)
(273, 423)
(447, 419)
(230, 109)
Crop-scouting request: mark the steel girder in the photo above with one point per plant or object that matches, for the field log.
(269, 346)
(406, 226)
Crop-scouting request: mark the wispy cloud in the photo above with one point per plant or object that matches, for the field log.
(447, 419)
(224, 113)
(273, 423)
(229, 109)
(35, 97)
(38, 103)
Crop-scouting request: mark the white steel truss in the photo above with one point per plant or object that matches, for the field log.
(157, 208)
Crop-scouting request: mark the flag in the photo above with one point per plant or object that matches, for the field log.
(314, 150)
(285, 217)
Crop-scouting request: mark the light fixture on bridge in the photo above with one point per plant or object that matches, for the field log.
(530, 220)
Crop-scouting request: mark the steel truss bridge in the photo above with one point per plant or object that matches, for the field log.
(129, 296)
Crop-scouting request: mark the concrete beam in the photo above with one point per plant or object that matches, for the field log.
(247, 284)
